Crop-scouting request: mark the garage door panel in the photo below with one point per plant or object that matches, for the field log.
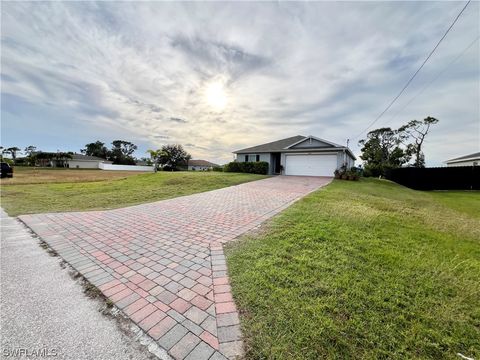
(310, 165)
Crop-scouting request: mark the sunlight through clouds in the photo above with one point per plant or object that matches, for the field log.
(221, 76)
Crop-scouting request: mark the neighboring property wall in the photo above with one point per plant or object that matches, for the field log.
(464, 163)
(83, 164)
(104, 166)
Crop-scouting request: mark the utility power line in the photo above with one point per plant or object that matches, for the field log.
(416, 72)
(435, 78)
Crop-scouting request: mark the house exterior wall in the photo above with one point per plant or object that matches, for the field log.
(465, 163)
(268, 157)
(263, 157)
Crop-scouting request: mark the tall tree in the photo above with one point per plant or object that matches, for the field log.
(172, 156)
(154, 156)
(29, 152)
(97, 149)
(417, 131)
(122, 152)
(13, 151)
(381, 151)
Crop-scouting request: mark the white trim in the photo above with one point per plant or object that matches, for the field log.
(461, 160)
(315, 138)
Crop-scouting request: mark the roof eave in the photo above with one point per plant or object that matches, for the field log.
(462, 160)
(329, 149)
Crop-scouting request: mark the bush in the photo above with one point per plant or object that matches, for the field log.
(232, 167)
(259, 167)
(217, 168)
(344, 174)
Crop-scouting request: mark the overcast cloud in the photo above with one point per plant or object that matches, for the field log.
(76, 72)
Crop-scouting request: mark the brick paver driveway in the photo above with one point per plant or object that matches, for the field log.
(162, 263)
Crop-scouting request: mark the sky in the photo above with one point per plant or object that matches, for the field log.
(220, 76)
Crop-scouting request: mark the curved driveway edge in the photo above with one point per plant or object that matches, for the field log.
(162, 263)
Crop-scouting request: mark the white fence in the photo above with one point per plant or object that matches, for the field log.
(125, 167)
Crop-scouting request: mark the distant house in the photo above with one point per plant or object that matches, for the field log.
(202, 165)
(80, 161)
(466, 160)
(299, 155)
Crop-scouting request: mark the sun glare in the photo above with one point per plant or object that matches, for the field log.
(216, 95)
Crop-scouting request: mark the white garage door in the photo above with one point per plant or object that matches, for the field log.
(310, 165)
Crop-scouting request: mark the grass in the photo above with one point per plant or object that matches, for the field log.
(363, 270)
(107, 194)
(31, 175)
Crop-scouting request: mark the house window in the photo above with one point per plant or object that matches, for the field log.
(252, 158)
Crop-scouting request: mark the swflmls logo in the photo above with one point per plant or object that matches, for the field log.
(24, 352)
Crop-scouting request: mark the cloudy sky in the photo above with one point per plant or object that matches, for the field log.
(218, 76)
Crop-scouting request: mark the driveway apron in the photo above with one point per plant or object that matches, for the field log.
(163, 264)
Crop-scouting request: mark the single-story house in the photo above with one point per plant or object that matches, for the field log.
(80, 161)
(466, 160)
(299, 155)
(202, 165)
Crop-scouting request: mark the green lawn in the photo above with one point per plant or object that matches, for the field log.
(85, 194)
(363, 270)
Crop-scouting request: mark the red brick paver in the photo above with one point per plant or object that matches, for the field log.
(163, 264)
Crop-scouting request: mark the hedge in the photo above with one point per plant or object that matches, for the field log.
(259, 167)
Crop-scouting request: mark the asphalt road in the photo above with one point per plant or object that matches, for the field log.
(44, 311)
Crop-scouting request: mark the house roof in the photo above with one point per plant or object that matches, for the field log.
(201, 163)
(285, 145)
(273, 146)
(86, 157)
(474, 156)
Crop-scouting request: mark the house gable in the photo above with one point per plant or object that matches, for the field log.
(310, 143)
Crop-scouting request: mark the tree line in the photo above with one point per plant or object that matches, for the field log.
(388, 148)
(168, 157)
(120, 153)
(32, 156)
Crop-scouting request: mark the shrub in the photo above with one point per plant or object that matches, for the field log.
(217, 168)
(344, 174)
(232, 167)
(259, 167)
